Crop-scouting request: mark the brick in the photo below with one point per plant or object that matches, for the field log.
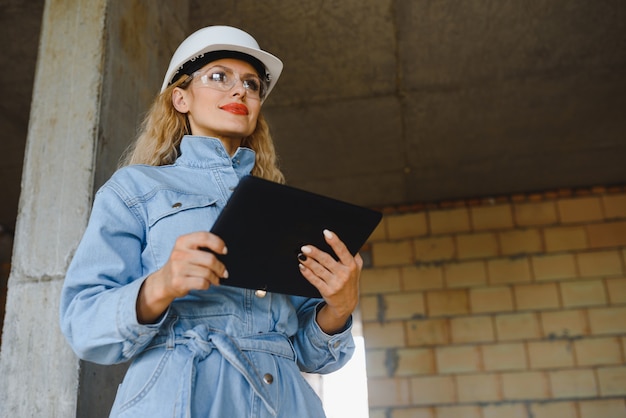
(425, 412)
(612, 381)
(458, 411)
(391, 253)
(556, 409)
(434, 249)
(504, 357)
(603, 408)
(376, 363)
(447, 302)
(491, 299)
(432, 390)
(521, 242)
(427, 332)
(478, 388)
(472, 329)
(614, 206)
(507, 270)
(525, 386)
(602, 263)
(616, 288)
(388, 392)
(476, 245)
(415, 361)
(598, 351)
(517, 326)
(408, 225)
(458, 359)
(576, 383)
(491, 217)
(611, 234)
(564, 324)
(466, 274)
(550, 354)
(565, 238)
(536, 296)
(449, 221)
(576, 210)
(422, 277)
(380, 280)
(369, 307)
(509, 411)
(583, 293)
(531, 214)
(551, 267)
(408, 305)
(604, 321)
(390, 334)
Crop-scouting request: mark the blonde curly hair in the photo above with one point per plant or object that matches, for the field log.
(164, 127)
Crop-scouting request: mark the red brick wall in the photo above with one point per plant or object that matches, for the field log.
(503, 308)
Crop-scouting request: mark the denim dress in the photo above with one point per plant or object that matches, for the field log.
(223, 352)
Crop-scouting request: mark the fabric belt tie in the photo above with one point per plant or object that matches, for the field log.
(201, 341)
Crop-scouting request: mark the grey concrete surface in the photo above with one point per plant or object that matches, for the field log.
(81, 117)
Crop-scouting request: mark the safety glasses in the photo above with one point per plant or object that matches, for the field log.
(224, 79)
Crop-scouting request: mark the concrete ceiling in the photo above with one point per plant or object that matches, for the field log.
(398, 101)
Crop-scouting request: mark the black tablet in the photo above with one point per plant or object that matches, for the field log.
(264, 224)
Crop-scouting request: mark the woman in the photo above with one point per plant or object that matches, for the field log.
(141, 288)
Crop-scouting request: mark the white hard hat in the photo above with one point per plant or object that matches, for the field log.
(219, 38)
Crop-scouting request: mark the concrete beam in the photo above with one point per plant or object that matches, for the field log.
(39, 372)
(99, 66)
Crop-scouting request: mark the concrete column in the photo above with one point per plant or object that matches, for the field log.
(99, 65)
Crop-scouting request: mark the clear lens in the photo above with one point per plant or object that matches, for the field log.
(224, 79)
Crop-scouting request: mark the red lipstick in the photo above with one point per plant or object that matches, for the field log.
(236, 108)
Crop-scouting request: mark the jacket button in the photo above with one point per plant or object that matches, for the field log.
(268, 378)
(177, 205)
(260, 293)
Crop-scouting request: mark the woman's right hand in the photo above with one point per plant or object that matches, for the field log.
(190, 267)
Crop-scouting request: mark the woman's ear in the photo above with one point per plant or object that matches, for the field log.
(179, 100)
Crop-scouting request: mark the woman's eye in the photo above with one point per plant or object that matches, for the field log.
(218, 77)
(252, 84)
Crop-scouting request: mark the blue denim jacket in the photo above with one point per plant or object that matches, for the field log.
(223, 352)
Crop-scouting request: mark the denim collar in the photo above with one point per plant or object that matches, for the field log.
(206, 152)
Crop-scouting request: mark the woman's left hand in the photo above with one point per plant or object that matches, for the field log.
(336, 280)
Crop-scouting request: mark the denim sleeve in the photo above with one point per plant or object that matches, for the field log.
(318, 352)
(98, 299)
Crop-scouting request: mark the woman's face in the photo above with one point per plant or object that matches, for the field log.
(222, 101)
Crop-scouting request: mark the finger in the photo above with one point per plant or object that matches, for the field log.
(206, 274)
(211, 261)
(184, 255)
(338, 247)
(316, 259)
(314, 279)
(318, 268)
(204, 240)
(359, 261)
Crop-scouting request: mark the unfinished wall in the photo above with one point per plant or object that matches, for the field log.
(511, 307)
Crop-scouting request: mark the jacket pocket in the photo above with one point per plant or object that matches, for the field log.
(172, 214)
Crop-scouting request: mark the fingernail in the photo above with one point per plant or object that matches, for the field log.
(225, 275)
(301, 257)
(225, 250)
(306, 250)
(301, 267)
(328, 234)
